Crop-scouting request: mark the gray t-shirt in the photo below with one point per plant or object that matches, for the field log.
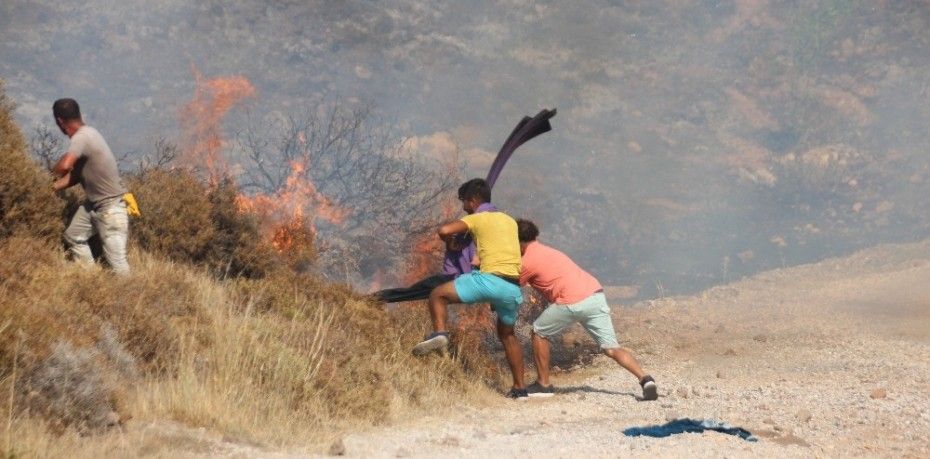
(96, 167)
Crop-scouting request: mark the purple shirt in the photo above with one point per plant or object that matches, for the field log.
(456, 263)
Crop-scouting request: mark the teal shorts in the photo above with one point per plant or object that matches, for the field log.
(592, 313)
(478, 287)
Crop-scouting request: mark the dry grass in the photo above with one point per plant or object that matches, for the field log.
(284, 361)
(27, 203)
(260, 356)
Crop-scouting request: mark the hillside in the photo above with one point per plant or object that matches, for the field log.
(213, 331)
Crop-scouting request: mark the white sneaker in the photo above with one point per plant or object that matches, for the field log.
(432, 342)
(650, 389)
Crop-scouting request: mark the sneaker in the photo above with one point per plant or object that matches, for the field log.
(650, 389)
(432, 342)
(538, 390)
(517, 394)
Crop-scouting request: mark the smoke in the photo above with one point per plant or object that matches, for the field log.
(685, 150)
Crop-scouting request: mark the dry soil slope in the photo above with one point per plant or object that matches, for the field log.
(828, 359)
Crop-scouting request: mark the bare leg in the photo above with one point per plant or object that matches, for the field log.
(626, 360)
(541, 357)
(439, 298)
(513, 352)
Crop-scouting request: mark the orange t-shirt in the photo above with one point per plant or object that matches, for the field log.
(555, 275)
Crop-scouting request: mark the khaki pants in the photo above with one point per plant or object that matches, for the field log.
(592, 313)
(111, 222)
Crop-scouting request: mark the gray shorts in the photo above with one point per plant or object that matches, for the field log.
(592, 313)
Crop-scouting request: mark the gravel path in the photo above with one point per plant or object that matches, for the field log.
(831, 359)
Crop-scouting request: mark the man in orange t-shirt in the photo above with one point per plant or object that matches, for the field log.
(574, 296)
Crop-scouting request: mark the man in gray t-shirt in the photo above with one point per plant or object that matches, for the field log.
(90, 162)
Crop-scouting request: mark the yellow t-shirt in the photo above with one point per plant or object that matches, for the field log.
(495, 235)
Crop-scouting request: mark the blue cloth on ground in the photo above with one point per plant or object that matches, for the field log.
(689, 425)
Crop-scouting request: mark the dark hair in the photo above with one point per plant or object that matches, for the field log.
(475, 188)
(526, 230)
(66, 109)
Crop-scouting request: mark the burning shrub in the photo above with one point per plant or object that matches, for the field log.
(238, 247)
(187, 221)
(27, 202)
(344, 169)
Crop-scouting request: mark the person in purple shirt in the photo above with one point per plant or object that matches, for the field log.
(458, 262)
(454, 264)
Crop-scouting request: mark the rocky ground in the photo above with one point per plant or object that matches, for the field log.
(831, 359)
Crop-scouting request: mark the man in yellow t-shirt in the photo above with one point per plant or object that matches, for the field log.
(497, 281)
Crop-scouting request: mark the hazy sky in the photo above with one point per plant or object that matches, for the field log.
(678, 150)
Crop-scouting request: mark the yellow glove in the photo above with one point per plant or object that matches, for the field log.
(132, 207)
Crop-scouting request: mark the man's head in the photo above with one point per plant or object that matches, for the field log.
(67, 115)
(473, 194)
(527, 232)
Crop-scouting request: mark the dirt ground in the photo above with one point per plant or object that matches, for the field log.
(830, 359)
(825, 360)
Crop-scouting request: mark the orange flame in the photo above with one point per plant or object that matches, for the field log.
(202, 134)
(287, 215)
(282, 212)
(422, 259)
(377, 280)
